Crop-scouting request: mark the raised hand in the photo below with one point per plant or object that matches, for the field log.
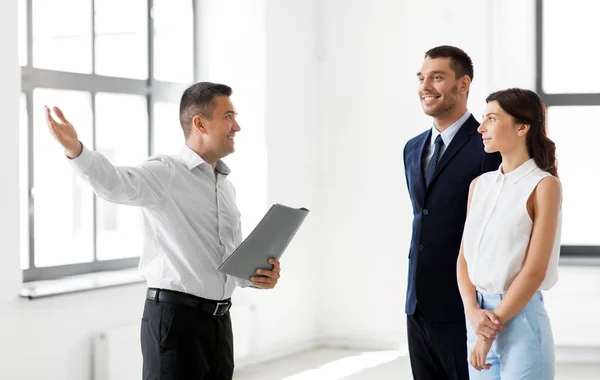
(63, 132)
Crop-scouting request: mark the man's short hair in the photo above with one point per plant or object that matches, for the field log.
(197, 99)
(460, 62)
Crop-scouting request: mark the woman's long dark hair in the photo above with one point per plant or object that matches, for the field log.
(526, 107)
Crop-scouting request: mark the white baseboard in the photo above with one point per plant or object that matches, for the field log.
(578, 355)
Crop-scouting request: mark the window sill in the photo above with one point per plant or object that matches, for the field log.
(579, 261)
(80, 283)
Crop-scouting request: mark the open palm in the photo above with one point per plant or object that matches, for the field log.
(63, 132)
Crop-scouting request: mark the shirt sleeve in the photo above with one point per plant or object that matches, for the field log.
(144, 185)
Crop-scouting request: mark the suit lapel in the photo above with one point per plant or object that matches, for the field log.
(460, 139)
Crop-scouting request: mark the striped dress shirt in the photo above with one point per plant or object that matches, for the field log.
(190, 220)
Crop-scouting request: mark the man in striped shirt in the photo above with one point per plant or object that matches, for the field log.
(191, 225)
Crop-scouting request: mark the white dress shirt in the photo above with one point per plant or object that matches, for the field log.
(190, 220)
(498, 229)
(447, 136)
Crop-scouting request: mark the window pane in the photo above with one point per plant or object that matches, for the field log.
(23, 32)
(566, 25)
(577, 163)
(62, 36)
(168, 135)
(63, 228)
(123, 139)
(173, 40)
(24, 182)
(122, 38)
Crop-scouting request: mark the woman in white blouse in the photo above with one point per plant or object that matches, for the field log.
(511, 244)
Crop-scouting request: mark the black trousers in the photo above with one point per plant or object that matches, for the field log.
(438, 351)
(183, 343)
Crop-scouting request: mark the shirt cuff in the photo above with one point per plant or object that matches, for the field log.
(82, 162)
(245, 283)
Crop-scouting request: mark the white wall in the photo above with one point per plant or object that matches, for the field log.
(264, 49)
(512, 44)
(369, 59)
(9, 138)
(294, 158)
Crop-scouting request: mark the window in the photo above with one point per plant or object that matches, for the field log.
(117, 69)
(573, 100)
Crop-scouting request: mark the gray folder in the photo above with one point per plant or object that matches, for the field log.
(269, 239)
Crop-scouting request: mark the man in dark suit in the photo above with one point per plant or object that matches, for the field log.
(440, 164)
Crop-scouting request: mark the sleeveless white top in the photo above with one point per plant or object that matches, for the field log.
(498, 229)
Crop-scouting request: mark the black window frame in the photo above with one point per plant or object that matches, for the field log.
(561, 99)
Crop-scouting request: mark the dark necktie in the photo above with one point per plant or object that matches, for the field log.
(434, 160)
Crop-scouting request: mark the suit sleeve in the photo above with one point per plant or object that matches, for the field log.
(405, 172)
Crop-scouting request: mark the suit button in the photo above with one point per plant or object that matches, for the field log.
(421, 248)
(425, 212)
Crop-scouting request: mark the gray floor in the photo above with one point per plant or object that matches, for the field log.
(334, 364)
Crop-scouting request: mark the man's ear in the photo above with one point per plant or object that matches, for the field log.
(199, 124)
(465, 83)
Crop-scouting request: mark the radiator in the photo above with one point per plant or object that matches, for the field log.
(117, 351)
(117, 354)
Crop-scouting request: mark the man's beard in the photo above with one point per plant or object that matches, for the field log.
(446, 106)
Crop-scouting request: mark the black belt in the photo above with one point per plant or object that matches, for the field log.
(216, 308)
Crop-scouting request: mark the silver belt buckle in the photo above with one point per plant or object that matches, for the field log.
(218, 307)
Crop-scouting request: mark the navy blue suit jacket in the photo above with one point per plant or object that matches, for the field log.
(439, 213)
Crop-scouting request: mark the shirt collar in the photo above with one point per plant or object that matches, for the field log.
(193, 159)
(449, 133)
(519, 173)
